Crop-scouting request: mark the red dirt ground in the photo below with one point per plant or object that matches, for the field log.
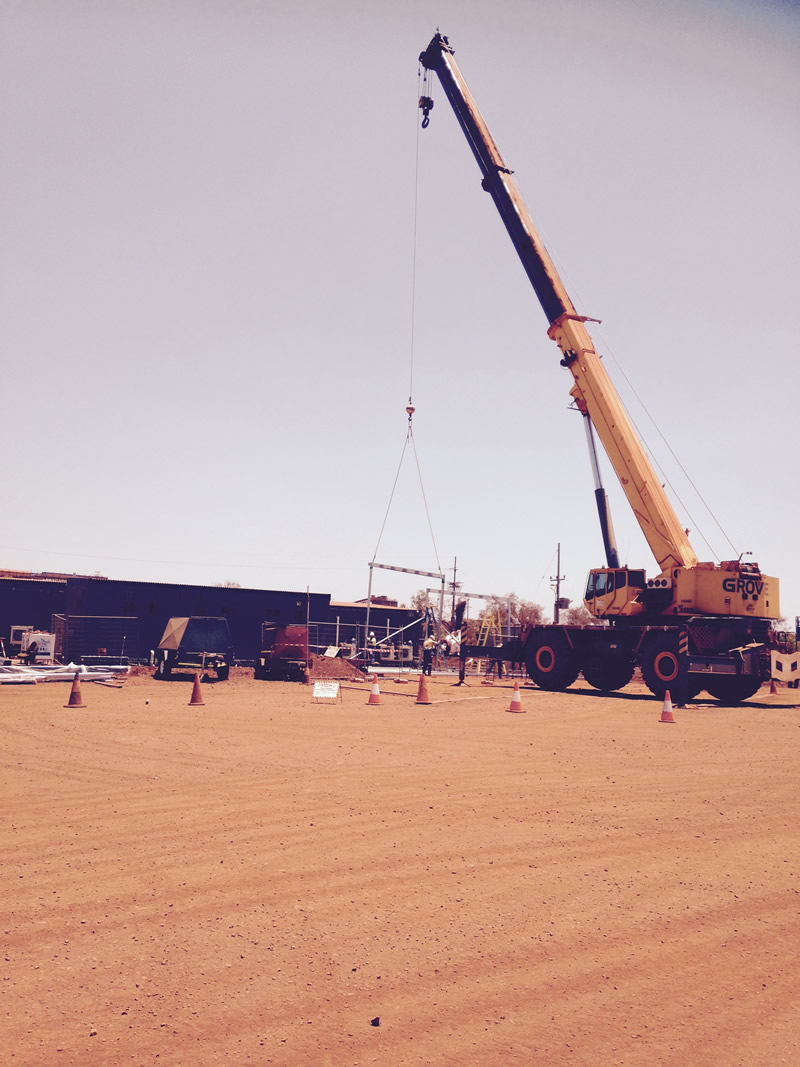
(264, 879)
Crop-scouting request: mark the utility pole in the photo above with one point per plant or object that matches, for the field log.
(558, 580)
(455, 586)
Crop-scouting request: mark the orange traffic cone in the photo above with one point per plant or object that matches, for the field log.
(422, 692)
(516, 701)
(75, 696)
(374, 693)
(197, 696)
(666, 714)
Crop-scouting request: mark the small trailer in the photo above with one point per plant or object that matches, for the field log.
(198, 643)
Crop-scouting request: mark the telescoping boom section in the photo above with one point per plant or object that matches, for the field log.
(694, 625)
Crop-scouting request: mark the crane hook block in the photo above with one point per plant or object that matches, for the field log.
(426, 104)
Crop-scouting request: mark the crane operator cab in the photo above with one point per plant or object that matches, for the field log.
(614, 591)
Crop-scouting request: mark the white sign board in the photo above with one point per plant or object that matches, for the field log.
(326, 691)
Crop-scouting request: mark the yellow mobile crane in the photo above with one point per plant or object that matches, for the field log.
(695, 625)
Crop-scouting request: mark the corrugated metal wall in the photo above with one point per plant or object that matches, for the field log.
(36, 601)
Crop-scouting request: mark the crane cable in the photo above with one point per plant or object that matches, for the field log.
(410, 409)
(409, 440)
(598, 333)
(423, 93)
(681, 468)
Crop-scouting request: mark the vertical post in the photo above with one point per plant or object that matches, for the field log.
(557, 606)
(439, 622)
(337, 632)
(308, 624)
(369, 605)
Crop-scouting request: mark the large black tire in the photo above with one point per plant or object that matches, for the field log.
(163, 670)
(222, 673)
(731, 688)
(550, 661)
(660, 663)
(608, 672)
(296, 672)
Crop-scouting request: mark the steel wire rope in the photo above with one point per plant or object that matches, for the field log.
(681, 467)
(409, 437)
(596, 332)
(410, 407)
(424, 88)
(391, 497)
(544, 576)
(414, 255)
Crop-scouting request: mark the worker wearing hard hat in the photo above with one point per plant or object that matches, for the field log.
(372, 647)
(428, 646)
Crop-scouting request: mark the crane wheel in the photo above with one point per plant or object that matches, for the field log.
(608, 673)
(550, 661)
(660, 664)
(732, 689)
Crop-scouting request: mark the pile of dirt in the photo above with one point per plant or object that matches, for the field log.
(140, 670)
(140, 674)
(321, 668)
(335, 668)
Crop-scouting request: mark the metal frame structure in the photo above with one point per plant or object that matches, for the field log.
(404, 570)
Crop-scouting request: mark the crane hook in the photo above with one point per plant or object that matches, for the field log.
(426, 104)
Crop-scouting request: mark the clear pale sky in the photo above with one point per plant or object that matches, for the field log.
(208, 287)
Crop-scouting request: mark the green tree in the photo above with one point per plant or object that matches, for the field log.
(421, 600)
(524, 613)
(578, 616)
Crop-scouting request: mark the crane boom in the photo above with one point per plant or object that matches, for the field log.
(592, 389)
